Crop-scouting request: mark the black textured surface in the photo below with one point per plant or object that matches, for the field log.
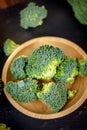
(60, 22)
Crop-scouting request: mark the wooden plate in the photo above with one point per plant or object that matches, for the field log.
(38, 109)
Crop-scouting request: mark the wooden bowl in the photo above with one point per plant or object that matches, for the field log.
(37, 109)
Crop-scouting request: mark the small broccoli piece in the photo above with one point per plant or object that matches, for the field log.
(1, 86)
(4, 127)
(66, 71)
(79, 8)
(43, 61)
(82, 67)
(17, 67)
(71, 93)
(9, 47)
(23, 91)
(53, 95)
(32, 16)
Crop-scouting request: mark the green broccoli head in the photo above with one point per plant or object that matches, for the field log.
(43, 62)
(82, 67)
(71, 93)
(9, 47)
(32, 16)
(17, 67)
(79, 8)
(53, 95)
(67, 71)
(23, 91)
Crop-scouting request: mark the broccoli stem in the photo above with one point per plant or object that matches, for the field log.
(9, 47)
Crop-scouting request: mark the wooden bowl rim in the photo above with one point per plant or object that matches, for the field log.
(36, 115)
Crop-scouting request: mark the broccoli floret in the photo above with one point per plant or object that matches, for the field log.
(82, 67)
(23, 91)
(43, 61)
(79, 8)
(32, 16)
(17, 67)
(67, 71)
(53, 95)
(1, 86)
(9, 47)
(4, 127)
(71, 93)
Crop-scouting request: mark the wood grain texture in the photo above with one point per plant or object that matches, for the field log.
(38, 109)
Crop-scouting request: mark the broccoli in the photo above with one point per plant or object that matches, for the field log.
(66, 71)
(82, 67)
(32, 16)
(79, 8)
(43, 61)
(23, 91)
(1, 86)
(54, 95)
(4, 127)
(17, 67)
(9, 46)
(71, 93)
